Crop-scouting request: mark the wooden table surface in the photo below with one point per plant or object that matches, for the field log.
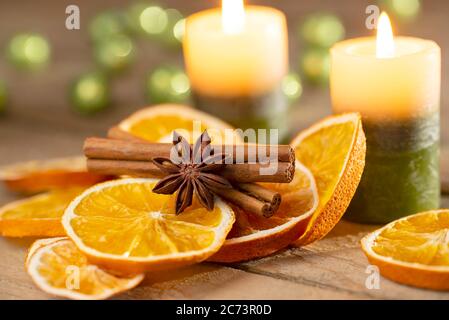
(41, 125)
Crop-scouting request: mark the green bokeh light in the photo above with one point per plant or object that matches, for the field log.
(115, 53)
(29, 51)
(90, 93)
(180, 83)
(133, 14)
(405, 9)
(107, 24)
(174, 31)
(153, 20)
(167, 84)
(322, 30)
(292, 87)
(315, 65)
(179, 29)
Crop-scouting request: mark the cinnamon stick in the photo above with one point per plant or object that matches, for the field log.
(114, 149)
(237, 173)
(264, 194)
(131, 158)
(249, 203)
(251, 198)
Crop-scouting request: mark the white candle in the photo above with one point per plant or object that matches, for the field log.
(388, 78)
(236, 51)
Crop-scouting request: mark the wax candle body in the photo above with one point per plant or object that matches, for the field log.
(398, 98)
(238, 76)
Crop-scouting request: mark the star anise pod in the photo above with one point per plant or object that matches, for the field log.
(191, 170)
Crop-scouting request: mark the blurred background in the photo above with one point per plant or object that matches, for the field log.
(58, 86)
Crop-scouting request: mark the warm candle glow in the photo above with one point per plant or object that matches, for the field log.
(236, 51)
(233, 16)
(384, 42)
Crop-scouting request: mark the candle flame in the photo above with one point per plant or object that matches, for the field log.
(385, 41)
(233, 16)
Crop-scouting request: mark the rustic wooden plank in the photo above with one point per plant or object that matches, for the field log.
(210, 281)
(14, 282)
(203, 281)
(335, 263)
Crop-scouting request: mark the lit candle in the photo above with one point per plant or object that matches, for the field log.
(236, 58)
(394, 82)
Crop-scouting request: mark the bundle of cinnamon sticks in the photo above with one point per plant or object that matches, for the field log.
(134, 158)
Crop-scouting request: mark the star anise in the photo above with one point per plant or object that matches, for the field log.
(191, 170)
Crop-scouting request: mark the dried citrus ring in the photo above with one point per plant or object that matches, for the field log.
(38, 216)
(253, 236)
(122, 225)
(413, 250)
(59, 268)
(42, 175)
(39, 244)
(156, 123)
(334, 151)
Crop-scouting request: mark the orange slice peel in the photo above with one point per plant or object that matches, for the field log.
(37, 216)
(157, 123)
(413, 250)
(43, 175)
(255, 237)
(334, 151)
(122, 225)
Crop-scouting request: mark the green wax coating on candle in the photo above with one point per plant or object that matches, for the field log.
(401, 175)
(265, 111)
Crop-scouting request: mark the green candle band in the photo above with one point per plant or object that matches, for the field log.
(408, 135)
(401, 175)
(265, 111)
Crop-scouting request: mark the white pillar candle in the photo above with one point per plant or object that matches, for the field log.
(236, 51)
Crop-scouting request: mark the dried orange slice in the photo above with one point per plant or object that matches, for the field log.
(413, 250)
(42, 175)
(122, 225)
(59, 268)
(334, 151)
(157, 123)
(253, 237)
(38, 216)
